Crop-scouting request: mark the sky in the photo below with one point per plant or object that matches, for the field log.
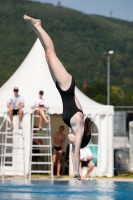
(121, 9)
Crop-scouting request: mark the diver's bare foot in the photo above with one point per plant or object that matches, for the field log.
(74, 172)
(31, 21)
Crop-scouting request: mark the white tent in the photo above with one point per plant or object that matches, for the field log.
(131, 144)
(33, 75)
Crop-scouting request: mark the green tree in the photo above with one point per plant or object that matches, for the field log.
(97, 92)
(79, 41)
(117, 96)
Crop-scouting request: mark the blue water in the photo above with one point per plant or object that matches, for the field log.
(66, 190)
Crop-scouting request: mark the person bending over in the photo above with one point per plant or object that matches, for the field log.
(41, 105)
(86, 157)
(59, 139)
(72, 110)
(15, 104)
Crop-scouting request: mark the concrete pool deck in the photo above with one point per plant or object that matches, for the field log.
(66, 178)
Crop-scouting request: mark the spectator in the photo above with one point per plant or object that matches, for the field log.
(41, 105)
(59, 140)
(15, 104)
(86, 157)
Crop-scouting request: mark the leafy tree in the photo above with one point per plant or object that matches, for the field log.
(116, 96)
(79, 39)
(97, 92)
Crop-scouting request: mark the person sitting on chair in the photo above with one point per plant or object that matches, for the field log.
(15, 104)
(59, 140)
(41, 105)
(86, 157)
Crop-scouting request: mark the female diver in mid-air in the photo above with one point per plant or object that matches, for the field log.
(72, 110)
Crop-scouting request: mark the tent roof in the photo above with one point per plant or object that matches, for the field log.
(33, 75)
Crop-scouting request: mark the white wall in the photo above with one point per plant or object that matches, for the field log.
(121, 142)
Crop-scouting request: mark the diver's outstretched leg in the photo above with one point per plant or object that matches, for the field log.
(60, 73)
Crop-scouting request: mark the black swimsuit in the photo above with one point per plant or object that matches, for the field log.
(57, 148)
(70, 108)
(69, 105)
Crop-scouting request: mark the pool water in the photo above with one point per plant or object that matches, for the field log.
(66, 190)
